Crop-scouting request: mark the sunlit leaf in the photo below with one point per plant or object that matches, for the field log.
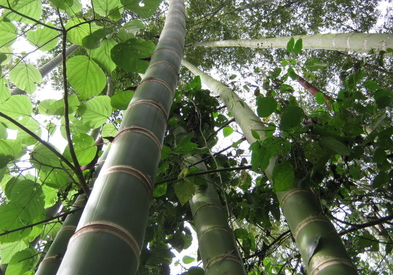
(10, 219)
(42, 158)
(290, 44)
(102, 55)
(56, 107)
(121, 99)
(17, 107)
(8, 33)
(109, 130)
(160, 190)
(84, 147)
(283, 176)
(184, 191)
(145, 10)
(25, 138)
(130, 29)
(21, 262)
(44, 38)
(96, 111)
(10, 150)
(298, 46)
(93, 40)
(62, 4)
(188, 259)
(85, 76)
(9, 249)
(77, 29)
(227, 131)
(25, 9)
(25, 77)
(103, 7)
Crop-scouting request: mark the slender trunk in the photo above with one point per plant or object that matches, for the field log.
(313, 90)
(301, 208)
(217, 245)
(53, 257)
(359, 42)
(110, 233)
(49, 66)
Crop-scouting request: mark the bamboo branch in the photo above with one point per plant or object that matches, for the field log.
(356, 227)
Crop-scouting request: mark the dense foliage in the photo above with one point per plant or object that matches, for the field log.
(342, 148)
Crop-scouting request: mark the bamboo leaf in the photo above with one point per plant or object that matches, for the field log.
(8, 33)
(96, 111)
(25, 77)
(283, 176)
(102, 55)
(104, 7)
(143, 11)
(85, 76)
(44, 38)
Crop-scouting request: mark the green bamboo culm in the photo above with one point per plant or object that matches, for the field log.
(301, 208)
(217, 245)
(110, 233)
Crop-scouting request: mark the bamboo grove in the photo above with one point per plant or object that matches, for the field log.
(112, 156)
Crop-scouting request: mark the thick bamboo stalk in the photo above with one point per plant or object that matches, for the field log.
(110, 233)
(358, 42)
(216, 242)
(300, 207)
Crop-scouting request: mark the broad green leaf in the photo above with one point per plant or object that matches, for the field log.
(9, 249)
(121, 99)
(21, 262)
(145, 10)
(283, 176)
(185, 146)
(5, 56)
(96, 111)
(320, 98)
(291, 117)
(44, 38)
(62, 4)
(54, 178)
(255, 134)
(380, 179)
(85, 76)
(128, 56)
(241, 233)
(44, 159)
(77, 29)
(334, 146)
(298, 46)
(10, 219)
(266, 106)
(4, 91)
(25, 9)
(314, 64)
(8, 33)
(10, 150)
(104, 7)
(290, 44)
(130, 29)
(227, 131)
(24, 138)
(75, 9)
(292, 74)
(85, 149)
(77, 126)
(188, 259)
(28, 197)
(102, 55)
(3, 131)
(56, 107)
(17, 107)
(194, 270)
(108, 130)
(25, 77)
(160, 190)
(184, 191)
(371, 85)
(51, 195)
(195, 84)
(93, 40)
(379, 156)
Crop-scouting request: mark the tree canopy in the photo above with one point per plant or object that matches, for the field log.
(326, 115)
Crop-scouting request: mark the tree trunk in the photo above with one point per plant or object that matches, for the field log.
(216, 242)
(359, 42)
(301, 208)
(110, 233)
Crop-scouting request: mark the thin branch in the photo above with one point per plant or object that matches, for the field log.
(43, 142)
(78, 171)
(356, 227)
(208, 172)
(41, 222)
